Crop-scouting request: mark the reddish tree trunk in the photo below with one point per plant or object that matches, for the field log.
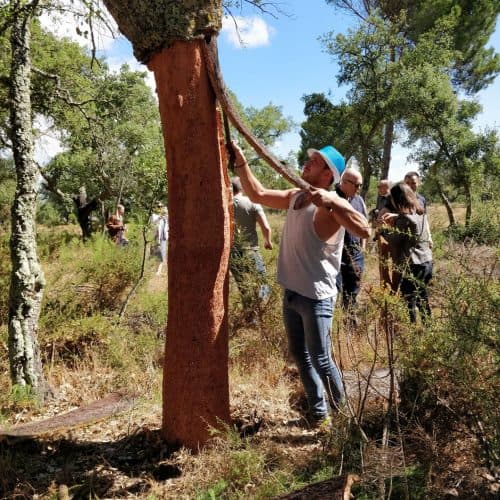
(195, 377)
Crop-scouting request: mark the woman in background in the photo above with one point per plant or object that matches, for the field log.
(162, 237)
(410, 250)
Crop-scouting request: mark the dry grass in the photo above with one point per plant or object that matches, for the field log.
(261, 456)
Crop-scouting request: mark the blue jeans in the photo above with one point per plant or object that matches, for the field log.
(349, 277)
(308, 325)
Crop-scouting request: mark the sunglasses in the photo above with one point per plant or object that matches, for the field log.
(357, 185)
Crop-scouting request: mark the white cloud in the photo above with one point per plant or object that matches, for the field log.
(249, 32)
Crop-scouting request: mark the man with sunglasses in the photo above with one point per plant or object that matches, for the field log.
(308, 263)
(353, 261)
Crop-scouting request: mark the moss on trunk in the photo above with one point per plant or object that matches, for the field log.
(153, 25)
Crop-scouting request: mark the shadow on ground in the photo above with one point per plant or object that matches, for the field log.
(89, 469)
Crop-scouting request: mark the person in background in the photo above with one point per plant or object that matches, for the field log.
(412, 179)
(383, 190)
(156, 213)
(116, 227)
(384, 205)
(246, 260)
(308, 264)
(410, 250)
(353, 261)
(162, 237)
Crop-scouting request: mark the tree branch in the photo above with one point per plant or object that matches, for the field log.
(64, 94)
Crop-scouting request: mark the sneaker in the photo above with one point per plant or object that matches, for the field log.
(318, 421)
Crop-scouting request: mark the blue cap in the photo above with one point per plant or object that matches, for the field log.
(332, 158)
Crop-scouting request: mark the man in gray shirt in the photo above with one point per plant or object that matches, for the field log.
(246, 263)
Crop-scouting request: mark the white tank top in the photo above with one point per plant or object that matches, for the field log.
(306, 264)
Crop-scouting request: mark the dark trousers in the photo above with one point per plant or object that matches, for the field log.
(349, 277)
(414, 289)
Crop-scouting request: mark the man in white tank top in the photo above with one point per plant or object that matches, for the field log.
(309, 261)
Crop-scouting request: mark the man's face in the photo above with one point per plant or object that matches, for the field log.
(413, 181)
(383, 188)
(351, 183)
(316, 172)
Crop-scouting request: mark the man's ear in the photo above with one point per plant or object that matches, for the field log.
(328, 176)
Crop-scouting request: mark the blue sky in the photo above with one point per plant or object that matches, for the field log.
(282, 59)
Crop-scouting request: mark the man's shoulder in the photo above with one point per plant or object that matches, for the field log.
(247, 203)
(358, 203)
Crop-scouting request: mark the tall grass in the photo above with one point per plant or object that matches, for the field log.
(399, 440)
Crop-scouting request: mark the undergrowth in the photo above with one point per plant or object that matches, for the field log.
(428, 423)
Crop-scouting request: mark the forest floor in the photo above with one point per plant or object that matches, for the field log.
(124, 456)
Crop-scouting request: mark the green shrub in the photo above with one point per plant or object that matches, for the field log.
(6, 198)
(48, 215)
(483, 228)
(89, 278)
(451, 370)
(51, 241)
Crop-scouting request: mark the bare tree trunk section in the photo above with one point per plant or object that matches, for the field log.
(367, 169)
(468, 202)
(442, 195)
(27, 279)
(195, 379)
(447, 204)
(386, 155)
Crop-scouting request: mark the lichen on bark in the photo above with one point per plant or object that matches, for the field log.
(153, 25)
(27, 280)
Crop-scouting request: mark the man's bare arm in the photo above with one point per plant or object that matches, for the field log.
(266, 230)
(342, 211)
(253, 188)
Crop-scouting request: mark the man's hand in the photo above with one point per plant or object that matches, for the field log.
(268, 245)
(322, 197)
(239, 157)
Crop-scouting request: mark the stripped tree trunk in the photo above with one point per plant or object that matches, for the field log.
(195, 390)
(27, 280)
(195, 380)
(386, 156)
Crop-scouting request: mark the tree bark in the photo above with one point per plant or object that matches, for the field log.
(195, 380)
(468, 202)
(154, 25)
(386, 155)
(442, 195)
(27, 279)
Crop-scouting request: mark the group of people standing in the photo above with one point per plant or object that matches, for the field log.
(321, 254)
(322, 251)
(404, 242)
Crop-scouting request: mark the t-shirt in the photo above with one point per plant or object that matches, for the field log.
(409, 239)
(245, 216)
(350, 240)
